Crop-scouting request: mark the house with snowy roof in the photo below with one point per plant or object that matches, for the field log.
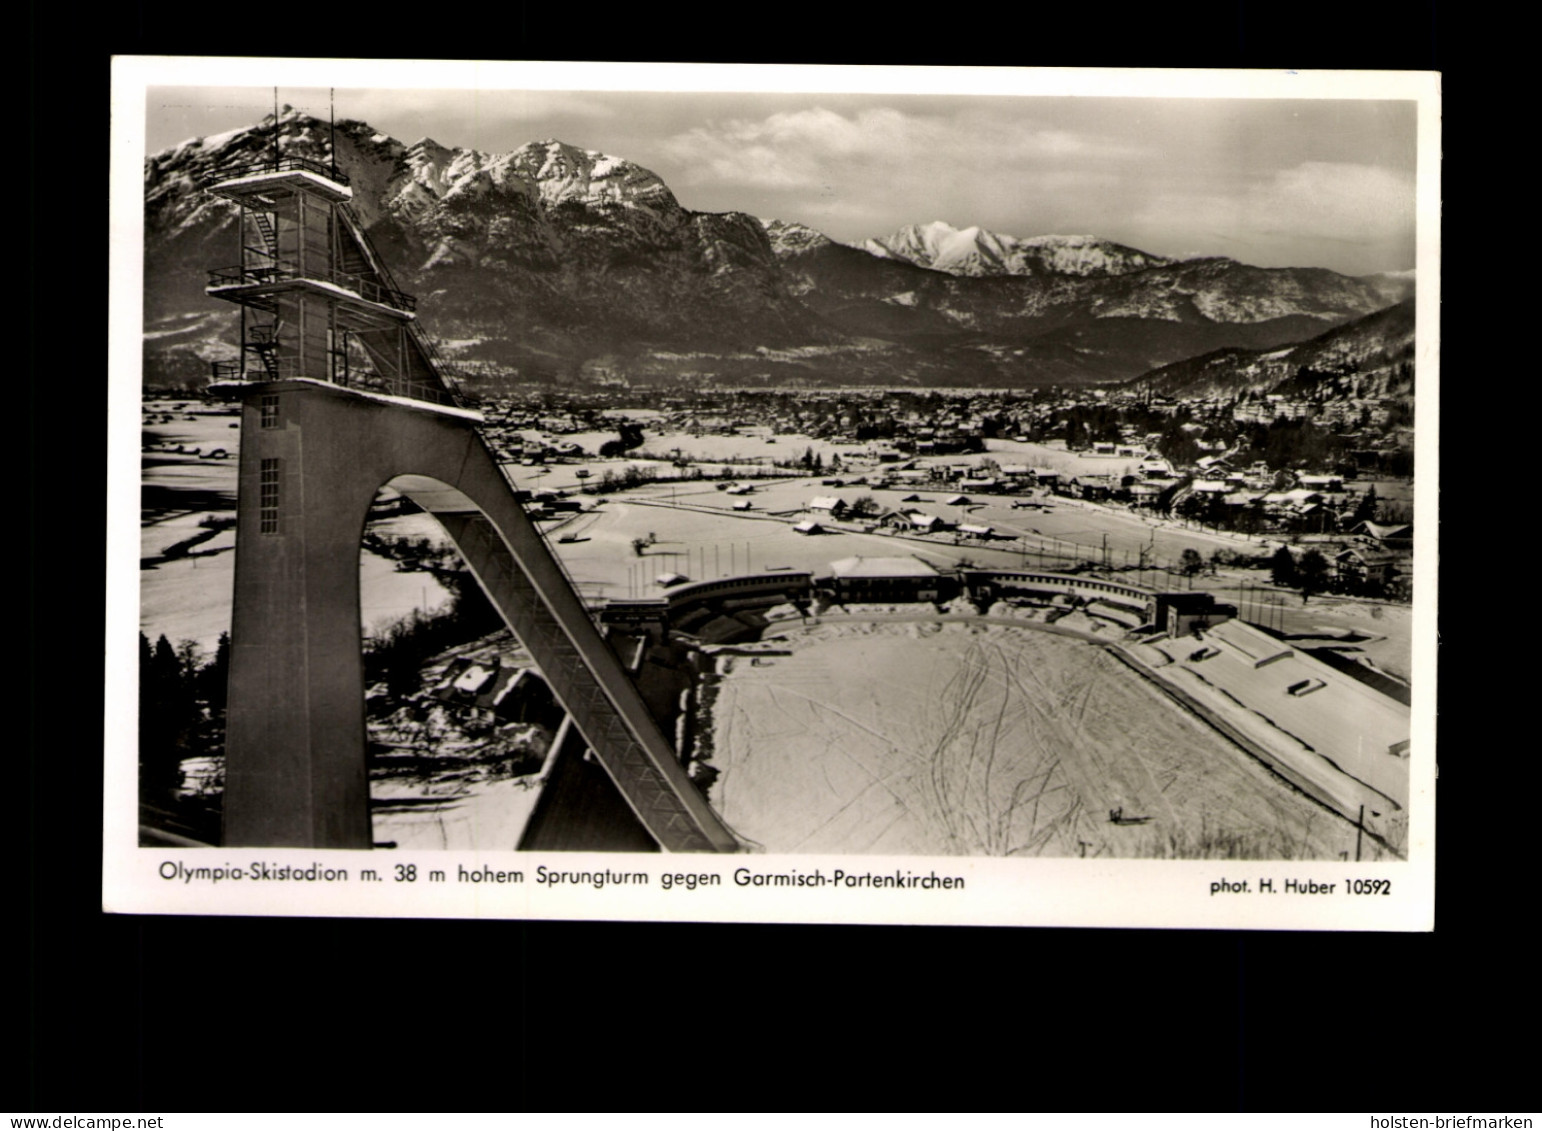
(1397, 536)
(1375, 566)
(1296, 499)
(885, 579)
(464, 679)
(913, 521)
(1321, 482)
(507, 692)
(1094, 488)
(830, 504)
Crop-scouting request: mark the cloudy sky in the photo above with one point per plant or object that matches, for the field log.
(1319, 181)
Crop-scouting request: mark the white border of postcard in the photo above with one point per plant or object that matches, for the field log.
(951, 890)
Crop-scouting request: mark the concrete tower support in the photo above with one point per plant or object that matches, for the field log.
(313, 457)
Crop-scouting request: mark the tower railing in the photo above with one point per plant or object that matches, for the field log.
(371, 382)
(279, 165)
(365, 380)
(242, 275)
(268, 369)
(371, 251)
(436, 359)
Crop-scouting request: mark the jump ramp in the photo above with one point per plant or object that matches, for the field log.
(314, 456)
(342, 395)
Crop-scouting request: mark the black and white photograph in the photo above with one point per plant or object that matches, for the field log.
(977, 496)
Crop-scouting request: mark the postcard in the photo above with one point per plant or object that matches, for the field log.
(773, 494)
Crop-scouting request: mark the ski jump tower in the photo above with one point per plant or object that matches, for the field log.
(341, 395)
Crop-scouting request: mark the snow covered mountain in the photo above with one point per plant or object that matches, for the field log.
(537, 260)
(408, 183)
(977, 251)
(1069, 326)
(548, 171)
(790, 238)
(555, 263)
(1369, 357)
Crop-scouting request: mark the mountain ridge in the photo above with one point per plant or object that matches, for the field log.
(555, 261)
(977, 251)
(1368, 357)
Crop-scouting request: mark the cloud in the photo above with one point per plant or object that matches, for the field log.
(457, 117)
(1329, 200)
(1352, 217)
(1028, 170)
(1336, 200)
(807, 148)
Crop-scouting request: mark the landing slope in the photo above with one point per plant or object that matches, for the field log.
(971, 740)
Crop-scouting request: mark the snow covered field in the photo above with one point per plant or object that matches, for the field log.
(189, 598)
(1055, 457)
(698, 544)
(750, 443)
(984, 740)
(455, 813)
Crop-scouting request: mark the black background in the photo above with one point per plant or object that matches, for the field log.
(121, 1013)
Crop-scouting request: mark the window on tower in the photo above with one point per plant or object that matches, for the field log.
(268, 497)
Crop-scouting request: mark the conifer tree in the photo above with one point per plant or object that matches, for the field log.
(1365, 509)
(1282, 567)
